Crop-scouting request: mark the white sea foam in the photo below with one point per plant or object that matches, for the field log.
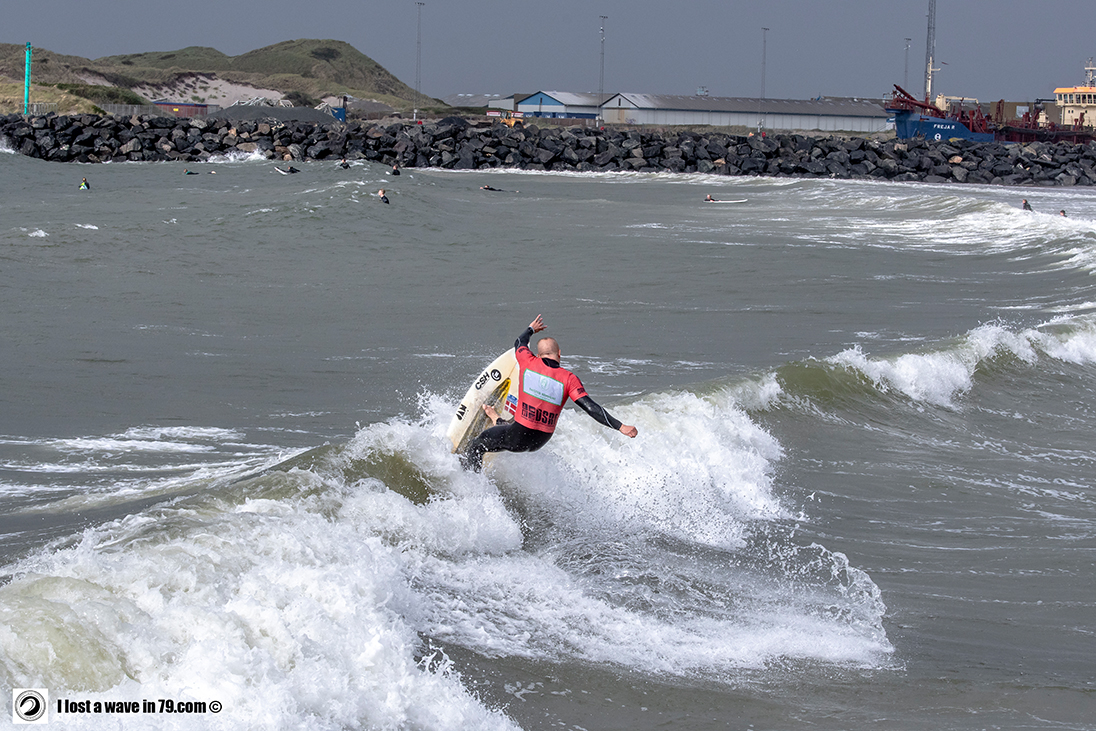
(939, 377)
(238, 156)
(268, 607)
(1070, 339)
(312, 605)
(698, 473)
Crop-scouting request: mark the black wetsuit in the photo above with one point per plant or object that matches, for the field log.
(513, 437)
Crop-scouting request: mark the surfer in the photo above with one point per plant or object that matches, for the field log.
(544, 386)
(344, 164)
(382, 196)
(84, 184)
(289, 171)
(188, 172)
(396, 169)
(1027, 206)
(708, 199)
(1062, 213)
(488, 187)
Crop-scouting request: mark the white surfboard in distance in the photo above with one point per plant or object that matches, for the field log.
(495, 386)
(741, 201)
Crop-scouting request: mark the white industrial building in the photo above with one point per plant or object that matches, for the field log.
(825, 114)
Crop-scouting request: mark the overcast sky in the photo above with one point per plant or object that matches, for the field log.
(1012, 49)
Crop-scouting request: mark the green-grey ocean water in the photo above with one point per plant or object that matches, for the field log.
(861, 497)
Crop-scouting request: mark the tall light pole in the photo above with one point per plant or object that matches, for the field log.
(761, 99)
(601, 76)
(26, 84)
(418, 64)
(930, 51)
(906, 77)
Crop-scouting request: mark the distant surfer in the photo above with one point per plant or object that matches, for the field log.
(488, 187)
(396, 168)
(188, 172)
(288, 171)
(382, 196)
(1027, 206)
(543, 388)
(1062, 214)
(84, 185)
(708, 199)
(344, 164)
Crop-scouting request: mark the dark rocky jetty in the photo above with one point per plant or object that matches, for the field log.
(454, 143)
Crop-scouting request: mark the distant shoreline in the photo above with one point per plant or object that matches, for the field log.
(453, 143)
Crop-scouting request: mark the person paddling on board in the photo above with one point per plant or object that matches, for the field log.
(543, 387)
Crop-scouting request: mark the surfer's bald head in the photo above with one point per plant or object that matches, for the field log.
(548, 348)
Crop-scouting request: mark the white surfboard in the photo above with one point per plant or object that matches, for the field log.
(739, 201)
(496, 386)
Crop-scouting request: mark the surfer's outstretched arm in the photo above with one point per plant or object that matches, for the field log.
(534, 327)
(602, 416)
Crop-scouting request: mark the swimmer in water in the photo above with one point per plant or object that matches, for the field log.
(708, 199)
(396, 169)
(382, 196)
(344, 164)
(84, 184)
(1062, 214)
(1027, 206)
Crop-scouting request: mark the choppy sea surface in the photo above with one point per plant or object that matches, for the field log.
(862, 495)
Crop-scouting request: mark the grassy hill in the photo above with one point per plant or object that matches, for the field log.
(304, 69)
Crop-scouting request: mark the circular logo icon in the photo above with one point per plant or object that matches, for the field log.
(30, 705)
(495, 374)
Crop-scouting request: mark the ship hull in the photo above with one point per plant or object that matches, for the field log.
(912, 124)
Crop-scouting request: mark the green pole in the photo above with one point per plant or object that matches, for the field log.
(26, 85)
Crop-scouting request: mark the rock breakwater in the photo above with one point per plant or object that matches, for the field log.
(454, 143)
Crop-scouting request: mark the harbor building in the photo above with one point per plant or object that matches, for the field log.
(1078, 103)
(559, 105)
(827, 114)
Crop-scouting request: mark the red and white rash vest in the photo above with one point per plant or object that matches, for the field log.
(542, 391)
